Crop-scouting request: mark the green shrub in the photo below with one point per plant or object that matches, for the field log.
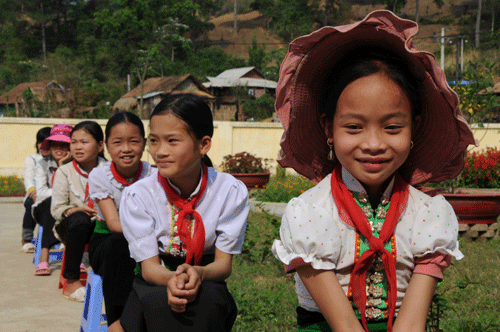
(11, 186)
(282, 189)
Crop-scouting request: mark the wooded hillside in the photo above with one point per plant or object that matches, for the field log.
(90, 46)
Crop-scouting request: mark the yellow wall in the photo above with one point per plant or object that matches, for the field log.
(18, 136)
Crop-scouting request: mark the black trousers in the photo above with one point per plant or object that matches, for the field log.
(44, 218)
(28, 222)
(110, 258)
(147, 309)
(75, 232)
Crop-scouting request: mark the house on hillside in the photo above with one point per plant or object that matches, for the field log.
(155, 88)
(25, 96)
(229, 97)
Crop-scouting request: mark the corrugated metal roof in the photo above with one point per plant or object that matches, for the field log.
(235, 73)
(151, 94)
(217, 82)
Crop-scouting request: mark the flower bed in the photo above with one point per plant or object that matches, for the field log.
(11, 186)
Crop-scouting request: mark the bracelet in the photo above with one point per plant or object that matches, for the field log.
(65, 214)
(31, 190)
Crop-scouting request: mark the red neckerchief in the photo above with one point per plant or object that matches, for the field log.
(196, 245)
(351, 213)
(90, 203)
(121, 179)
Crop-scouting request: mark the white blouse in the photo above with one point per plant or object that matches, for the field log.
(311, 229)
(145, 214)
(102, 184)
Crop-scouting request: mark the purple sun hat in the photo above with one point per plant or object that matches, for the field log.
(440, 138)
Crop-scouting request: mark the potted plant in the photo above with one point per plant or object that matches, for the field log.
(251, 170)
(475, 193)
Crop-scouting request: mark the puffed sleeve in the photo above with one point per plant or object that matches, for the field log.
(99, 185)
(138, 226)
(233, 220)
(309, 235)
(435, 229)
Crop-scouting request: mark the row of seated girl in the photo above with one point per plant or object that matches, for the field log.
(362, 111)
(194, 228)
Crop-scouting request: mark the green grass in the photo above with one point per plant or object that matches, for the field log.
(266, 297)
(11, 186)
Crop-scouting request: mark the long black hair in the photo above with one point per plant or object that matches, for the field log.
(41, 135)
(94, 129)
(191, 109)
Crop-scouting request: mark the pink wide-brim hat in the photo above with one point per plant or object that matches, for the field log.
(441, 137)
(60, 133)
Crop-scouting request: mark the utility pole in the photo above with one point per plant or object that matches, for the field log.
(235, 18)
(442, 48)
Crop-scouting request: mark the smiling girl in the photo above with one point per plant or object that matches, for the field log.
(108, 249)
(366, 116)
(183, 226)
(58, 145)
(71, 204)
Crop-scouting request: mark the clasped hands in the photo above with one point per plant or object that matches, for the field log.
(183, 287)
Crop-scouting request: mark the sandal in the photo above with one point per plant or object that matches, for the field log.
(43, 269)
(28, 248)
(77, 296)
(83, 269)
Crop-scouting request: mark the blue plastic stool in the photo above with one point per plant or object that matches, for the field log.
(53, 255)
(92, 316)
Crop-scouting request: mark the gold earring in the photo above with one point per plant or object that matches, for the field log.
(331, 155)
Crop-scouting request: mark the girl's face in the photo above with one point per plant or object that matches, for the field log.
(176, 153)
(125, 145)
(58, 150)
(84, 148)
(43, 152)
(372, 129)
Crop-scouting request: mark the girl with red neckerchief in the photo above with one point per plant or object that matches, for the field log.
(367, 116)
(183, 226)
(71, 205)
(108, 248)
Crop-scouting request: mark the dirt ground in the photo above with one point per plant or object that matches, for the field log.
(27, 302)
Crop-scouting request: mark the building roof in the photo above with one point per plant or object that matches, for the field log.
(236, 77)
(39, 90)
(165, 85)
(216, 82)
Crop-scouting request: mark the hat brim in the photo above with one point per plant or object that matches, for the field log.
(55, 138)
(441, 136)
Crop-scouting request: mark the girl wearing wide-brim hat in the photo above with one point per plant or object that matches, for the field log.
(366, 117)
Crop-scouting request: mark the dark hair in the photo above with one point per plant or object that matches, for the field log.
(41, 135)
(122, 117)
(361, 63)
(191, 109)
(94, 129)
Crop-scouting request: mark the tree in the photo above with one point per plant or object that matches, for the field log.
(256, 55)
(478, 22)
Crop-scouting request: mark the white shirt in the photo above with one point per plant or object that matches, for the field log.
(312, 229)
(102, 184)
(147, 223)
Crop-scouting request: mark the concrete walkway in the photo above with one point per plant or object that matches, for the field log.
(27, 302)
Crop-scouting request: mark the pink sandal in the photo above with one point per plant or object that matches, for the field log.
(42, 269)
